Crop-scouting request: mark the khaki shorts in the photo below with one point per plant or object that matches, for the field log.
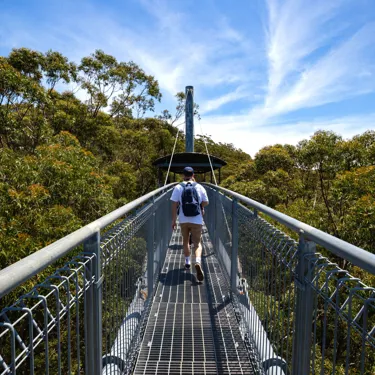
(196, 233)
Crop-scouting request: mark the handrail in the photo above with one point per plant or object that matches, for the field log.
(17, 273)
(357, 256)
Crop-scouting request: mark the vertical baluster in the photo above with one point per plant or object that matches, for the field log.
(304, 308)
(234, 257)
(93, 309)
(150, 251)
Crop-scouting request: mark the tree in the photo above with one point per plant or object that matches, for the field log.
(22, 104)
(353, 193)
(27, 62)
(56, 68)
(358, 151)
(180, 110)
(321, 155)
(25, 105)
(48, 195)
(272, 158)
(125, 87)
(52, 67)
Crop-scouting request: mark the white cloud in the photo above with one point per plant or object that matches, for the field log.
(173, 47)
(309, 59)
(238, 130)
(189, 53)
(300, 75)
(212, 104)
(335, 76)
(294, 32)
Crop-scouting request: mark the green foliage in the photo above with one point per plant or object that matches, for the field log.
(325, 181)
(64, 162)
(180, 110)
(272, 158)
(22, 101)
(47, 195)
(237, 159)
(129, 87)
(58, 68)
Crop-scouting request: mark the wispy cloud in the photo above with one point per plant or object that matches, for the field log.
(294, 32)
(308, 54)
(241, 92)
(206, 55)
(252, 138)
(172, 45)
(307, 66)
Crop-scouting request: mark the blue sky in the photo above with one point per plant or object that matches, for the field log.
(264, 71)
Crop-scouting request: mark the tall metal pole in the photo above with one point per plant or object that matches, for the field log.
(189, 119)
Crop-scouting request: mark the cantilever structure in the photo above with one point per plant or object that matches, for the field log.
(202, 163)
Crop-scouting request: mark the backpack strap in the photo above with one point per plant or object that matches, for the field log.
(193, 184)
(195, 191)
(188, 182)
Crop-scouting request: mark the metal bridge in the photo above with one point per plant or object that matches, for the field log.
(113, 297)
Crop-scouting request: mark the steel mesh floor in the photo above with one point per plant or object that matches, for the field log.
(192, 327)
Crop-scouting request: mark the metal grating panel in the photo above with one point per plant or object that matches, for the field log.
(192, 327)
(231, 352)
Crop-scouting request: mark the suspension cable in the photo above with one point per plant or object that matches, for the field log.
(170, 161)
(174, 148)
(180, 124)
(208, 154)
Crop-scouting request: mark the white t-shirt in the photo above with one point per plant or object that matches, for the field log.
(176, 197)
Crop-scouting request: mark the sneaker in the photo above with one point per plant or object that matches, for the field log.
(200, 274)
(187, 266)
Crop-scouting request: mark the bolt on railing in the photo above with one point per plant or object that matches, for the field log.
(87, 316)
(301, 313)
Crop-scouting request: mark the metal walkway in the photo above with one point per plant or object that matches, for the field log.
(192, 327)
(286, 310)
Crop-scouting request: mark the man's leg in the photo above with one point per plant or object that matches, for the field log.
(196, 235)
(185, 230)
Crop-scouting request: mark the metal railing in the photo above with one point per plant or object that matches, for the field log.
(301, 312)
(87, 316)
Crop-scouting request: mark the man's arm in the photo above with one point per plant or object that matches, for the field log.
(174, 214)
(175, 198)
(203, 205)
(204, 198)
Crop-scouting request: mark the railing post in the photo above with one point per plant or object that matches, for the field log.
(234, 258)
(216, 231)
(214, 219)
(150, 251)
(93, 309)
(304, 308)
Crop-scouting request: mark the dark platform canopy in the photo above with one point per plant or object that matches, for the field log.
(199, 162)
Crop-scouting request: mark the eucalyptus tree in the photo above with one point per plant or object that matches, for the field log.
(122, 86)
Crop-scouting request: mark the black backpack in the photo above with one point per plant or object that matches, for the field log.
(190, 200)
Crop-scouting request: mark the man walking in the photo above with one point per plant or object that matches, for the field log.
(190, 198)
